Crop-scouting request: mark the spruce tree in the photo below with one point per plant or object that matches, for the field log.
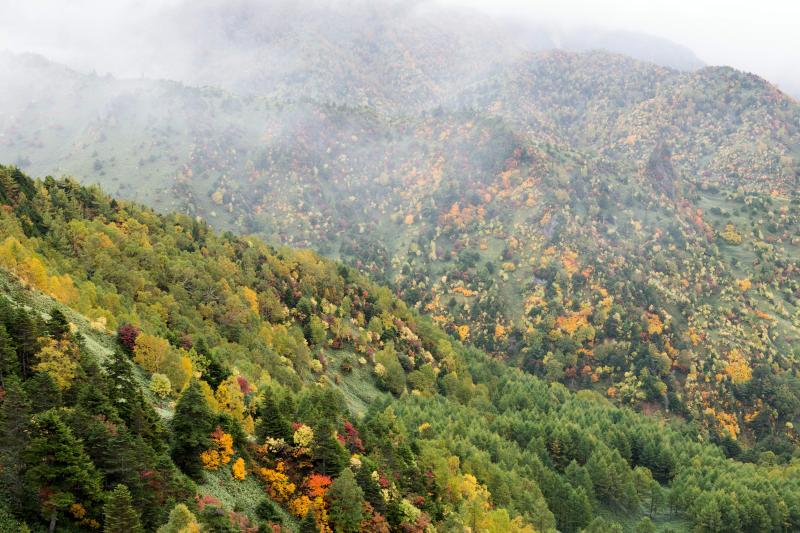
(58, 325)
(43, 392)
(346, 499)
(58, 468)
(25, 332)
(329, 454)
(267, 510)
(271, 422)
(122, 385)
(191, 428)
(371, 488)
(120, 516)
(308, 524)
(14, 424)
(9, 365)
(181, 520)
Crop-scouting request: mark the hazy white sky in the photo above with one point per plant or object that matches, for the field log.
(760, 36)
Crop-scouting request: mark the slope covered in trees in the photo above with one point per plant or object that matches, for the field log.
(600, 222)
(157, 373)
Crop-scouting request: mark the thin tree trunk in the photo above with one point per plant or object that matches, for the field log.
(53, 522)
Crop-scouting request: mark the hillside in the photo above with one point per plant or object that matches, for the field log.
(311, 374)
(597, 221)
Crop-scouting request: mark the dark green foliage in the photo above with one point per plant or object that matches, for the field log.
(308, 524)
(120, 516)
(58, 325)
(14, 436)
(370, 488)
(329, 454)
(268, 510)
(59, 469)
(346, 499)
(191, 427)
(9, 364)
(271, 420)
(43, 392)
(25, 331)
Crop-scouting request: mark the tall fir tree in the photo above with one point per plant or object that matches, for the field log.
(43, 392)
(346, 499)
(14, 438)
(308, 524)
(329, 454)
(25, 331)
(120, 516)
(191, 427)
(271, 422)
(59, 469)
(370, 487)
(9, 364)
(57, 325)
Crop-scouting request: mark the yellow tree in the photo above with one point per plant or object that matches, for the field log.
(150, 351)
(59, 358)
(230, 398)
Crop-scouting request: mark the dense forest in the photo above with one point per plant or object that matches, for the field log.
(600, 222)
(157, 375)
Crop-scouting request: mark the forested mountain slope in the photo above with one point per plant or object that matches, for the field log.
(597, 221)
(219, 373)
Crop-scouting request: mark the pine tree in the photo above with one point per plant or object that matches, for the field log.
(181, 520)
(271, 422)
(58, 325)
(43, 392)
(120, 516)
(123, 386)
(25, 332)
(371, 488)
(191, 427)
(8, 356)
(267, 510)
(308, 524)
(14, 423)
(59, 469)
(329, 454)
(346, 499)
(126, 396)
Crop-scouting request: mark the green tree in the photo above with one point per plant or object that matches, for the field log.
(329, 454)
(181, 520)
(602, 525)
(59, 469)
(389, 370)
(308, 524)
(645, 525)
(25, 332)
(268, 510)
(14, 424)
(120, 516)
(191, 428)
(346, 499)
(271, 421)
(370, 487)
(9, 364)
(58, 325)
(43, 392)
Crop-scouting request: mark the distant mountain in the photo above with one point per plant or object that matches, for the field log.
(541, 37)
(599, 221)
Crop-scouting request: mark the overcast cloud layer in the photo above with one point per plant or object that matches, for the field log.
(756, 36)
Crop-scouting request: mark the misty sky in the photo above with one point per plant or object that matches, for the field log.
(759, 36)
